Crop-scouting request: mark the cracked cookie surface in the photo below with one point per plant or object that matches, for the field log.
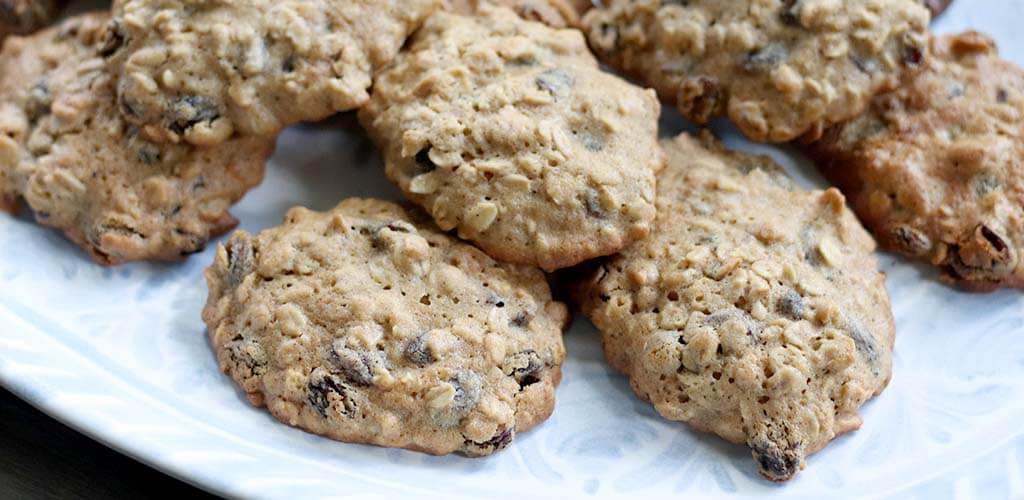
(936, 168)
(26, 16)
(779, 69)
(506, 130)
(200, 71)
(367, 324)
(754, 310)
(65, 150)
(554, 13)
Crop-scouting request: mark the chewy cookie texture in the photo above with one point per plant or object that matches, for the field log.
(26, 16)
(507, 131)
(199, 71)
(368, 324)
(778, 69)
(936, 168)
(754, 310)
(555, 13)
(65, 150)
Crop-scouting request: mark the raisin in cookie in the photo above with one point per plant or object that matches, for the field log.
(780, 69)
(65, 149)
(507, 130)
(936, 168)
(367, 324)
(555, 13)
(26, 16)
(200, 71)
(754, 310)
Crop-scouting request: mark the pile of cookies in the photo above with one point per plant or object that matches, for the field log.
(734, 300)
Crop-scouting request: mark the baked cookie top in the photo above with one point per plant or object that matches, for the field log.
(368, 324)
(200, 71)
(780, 69)
(754, 310)
(506, 130)
(65, 149)
(936, 168)
(26, 16)
(554, 13)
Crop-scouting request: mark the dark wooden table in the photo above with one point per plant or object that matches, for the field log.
(42, 458)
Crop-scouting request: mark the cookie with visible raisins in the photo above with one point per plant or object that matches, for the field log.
(65, 150)
(18, 17)
(201, 71)
(755, 310)
(368, 324)
(779, 69)
(508, 131)
(936, 169)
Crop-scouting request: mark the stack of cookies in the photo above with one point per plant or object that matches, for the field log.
(734, 300)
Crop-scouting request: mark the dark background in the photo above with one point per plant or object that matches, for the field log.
(42, 458)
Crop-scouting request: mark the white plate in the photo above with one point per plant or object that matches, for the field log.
(122, 355)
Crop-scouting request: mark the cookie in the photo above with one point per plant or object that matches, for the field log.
(936, 169)
(367, 324)
(779, 69)
(555, 13)
(754, 310)
(201, 71)
(26, 16)
(65, 149)
(507, 131)
(937, 6)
